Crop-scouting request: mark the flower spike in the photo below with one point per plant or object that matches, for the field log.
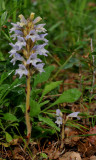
(28, 52)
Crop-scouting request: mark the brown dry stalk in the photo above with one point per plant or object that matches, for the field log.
(27, 116)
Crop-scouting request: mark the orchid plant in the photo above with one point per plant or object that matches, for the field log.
(27, 49)
(61, 121)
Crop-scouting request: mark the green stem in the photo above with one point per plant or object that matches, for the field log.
(27, 116)
(62, 66)
(54, 59)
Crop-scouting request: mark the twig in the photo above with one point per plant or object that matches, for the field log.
(49, 96)
(93, 59)
(54, 59)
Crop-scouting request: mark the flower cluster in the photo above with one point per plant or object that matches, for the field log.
(59, 116)
(26, 33)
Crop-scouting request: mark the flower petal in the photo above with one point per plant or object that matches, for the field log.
(74, 114)
(59, 121)
(21, 71)
(36, 20)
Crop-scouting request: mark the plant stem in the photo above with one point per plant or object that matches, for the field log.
(62, 66)
(93, 79)
(54, 59)
(27, 116)
(62, 133)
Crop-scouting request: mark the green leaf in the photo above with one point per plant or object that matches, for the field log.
(8, 137)
(5, 75)
(49, 122)
(68, 96)
(44, 76)
(3, 17)
(22, 107)
(41, 132)
(10, 117)
(49, 88)
(34, 108)
(43, 103)
(35, 92)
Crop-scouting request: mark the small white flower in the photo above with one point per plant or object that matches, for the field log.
(58, 112)
(74, 114)
(59, 121)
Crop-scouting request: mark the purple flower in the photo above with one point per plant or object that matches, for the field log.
(33, 59)
(39, 67)
(16, 57)
(58, 112)
(39, 28)
(25, 43)
(20, 43)
(15, 27)
(21, 71)
(41, 37)
(14, 49)
(17, 33)
(33, 37)
(39, 49)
